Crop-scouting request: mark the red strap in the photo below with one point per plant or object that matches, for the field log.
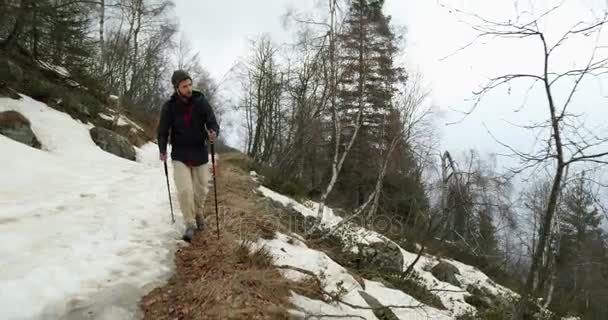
(188, 114)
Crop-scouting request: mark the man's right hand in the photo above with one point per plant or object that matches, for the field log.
(163, 157)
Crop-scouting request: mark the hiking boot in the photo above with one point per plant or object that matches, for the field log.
(200, 223)
(189, 234)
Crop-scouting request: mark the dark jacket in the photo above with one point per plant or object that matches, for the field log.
(186, 122)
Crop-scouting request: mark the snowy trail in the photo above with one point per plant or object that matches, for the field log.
(82, 232)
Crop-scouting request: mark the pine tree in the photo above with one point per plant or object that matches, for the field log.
(582, 258)
(51, 31)
(367, 47)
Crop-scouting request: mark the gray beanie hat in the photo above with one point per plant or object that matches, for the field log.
(179, 76)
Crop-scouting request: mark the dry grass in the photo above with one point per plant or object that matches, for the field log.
(309, 287)
(148, 120)
(228, 278)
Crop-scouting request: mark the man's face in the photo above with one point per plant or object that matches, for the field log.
(185, 88)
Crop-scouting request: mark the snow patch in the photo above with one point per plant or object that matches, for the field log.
(57, 69)
(350, 234)
(288, 251)
(106, 116)
(452, 297)
(78, 223)
(122, 121)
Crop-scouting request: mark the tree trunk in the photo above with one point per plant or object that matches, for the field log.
(35, 34)
(531, 287)
(135, 57)
(13, 37)
(102, 16)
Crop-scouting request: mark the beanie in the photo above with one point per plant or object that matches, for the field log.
(179, 76)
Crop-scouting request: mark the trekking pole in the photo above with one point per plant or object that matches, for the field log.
(169, 190)
(217, 219)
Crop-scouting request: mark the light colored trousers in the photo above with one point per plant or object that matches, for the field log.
(192, 186)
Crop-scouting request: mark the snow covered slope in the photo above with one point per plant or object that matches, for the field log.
(293, 252)
(289, 251)
(78, 224)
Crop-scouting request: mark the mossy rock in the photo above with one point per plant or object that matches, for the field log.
(17, 127)
(113, 143)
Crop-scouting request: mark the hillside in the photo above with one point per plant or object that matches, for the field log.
(90, 235)
(81, 228)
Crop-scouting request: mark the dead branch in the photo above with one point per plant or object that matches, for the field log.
(322, 316)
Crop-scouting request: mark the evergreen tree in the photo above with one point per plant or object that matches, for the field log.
(52, 31)
(581, 264)
(367, 47)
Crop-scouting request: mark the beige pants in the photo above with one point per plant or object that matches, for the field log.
(192, 186)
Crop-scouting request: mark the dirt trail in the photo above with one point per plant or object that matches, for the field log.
(221, 279)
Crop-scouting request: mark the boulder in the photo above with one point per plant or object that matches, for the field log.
(17, 127)
(479, 301)
(446, 272)
(384, 256)
(9, 71)
(113, 143)
(488, 303)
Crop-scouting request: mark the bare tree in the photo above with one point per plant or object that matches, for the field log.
(567, 141)
(263, 83)
(137, 51)
(187, 58)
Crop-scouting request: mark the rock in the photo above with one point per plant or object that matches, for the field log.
(9, 71)
(479, 301)
(384, 256)
(113, 143)
(17, 127)
(445, 271)
(488, 303)
(136, 137)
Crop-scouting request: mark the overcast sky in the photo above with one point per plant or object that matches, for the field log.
(220, 30)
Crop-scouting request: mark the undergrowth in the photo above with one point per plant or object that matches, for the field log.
(274, 179)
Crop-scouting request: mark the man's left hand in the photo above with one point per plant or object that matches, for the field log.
(212, 135)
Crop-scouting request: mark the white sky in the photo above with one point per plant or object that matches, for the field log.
(220, 30)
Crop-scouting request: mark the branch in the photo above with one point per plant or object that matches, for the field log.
(585, 30)
(355, 214)
(446, 290)
(322, 316)
(66, 4)
(578, 80)
(488, 27)
(493, 84)
(523, 27)
(542, 156)
(595, 69)
(590, 158)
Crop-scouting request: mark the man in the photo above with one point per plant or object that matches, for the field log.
(191, 121)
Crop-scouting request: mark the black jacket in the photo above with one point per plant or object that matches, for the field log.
(186, 122)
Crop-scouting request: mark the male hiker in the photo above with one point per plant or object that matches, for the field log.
(190, 120)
